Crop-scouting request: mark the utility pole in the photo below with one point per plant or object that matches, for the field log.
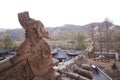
(107, 35)
(93, 39)
(100, 41)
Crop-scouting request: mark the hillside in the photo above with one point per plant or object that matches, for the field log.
(67, 27)
(16, 34)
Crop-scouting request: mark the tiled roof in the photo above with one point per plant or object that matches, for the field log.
(73, 52)
(61, 54)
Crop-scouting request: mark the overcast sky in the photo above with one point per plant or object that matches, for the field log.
(59, 12)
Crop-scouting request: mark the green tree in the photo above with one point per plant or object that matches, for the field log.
(114, 66)
(117, 37)
(116, 45)
(7, 42)
(80, 41)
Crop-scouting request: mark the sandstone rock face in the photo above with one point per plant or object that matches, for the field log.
(33, 59)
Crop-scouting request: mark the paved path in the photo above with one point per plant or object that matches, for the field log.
(99, 76)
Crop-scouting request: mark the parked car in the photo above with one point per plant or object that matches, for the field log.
(94, 69)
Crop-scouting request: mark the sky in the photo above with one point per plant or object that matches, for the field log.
(53, 13)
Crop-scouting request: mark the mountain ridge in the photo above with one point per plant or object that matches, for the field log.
(16, 33)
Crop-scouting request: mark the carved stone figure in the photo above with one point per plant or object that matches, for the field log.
(91, 50)
(33, 59)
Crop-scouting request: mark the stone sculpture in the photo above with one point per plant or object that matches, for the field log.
(33, 59)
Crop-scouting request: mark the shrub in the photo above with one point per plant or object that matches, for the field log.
(114, 66)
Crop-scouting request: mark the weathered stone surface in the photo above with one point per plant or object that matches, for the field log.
(91, 50)
(75, 69)
(33, 59)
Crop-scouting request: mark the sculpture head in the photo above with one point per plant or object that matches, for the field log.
(32, 26)
(41, 30)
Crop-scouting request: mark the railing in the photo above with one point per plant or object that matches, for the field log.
(109, 78)
(104, 74)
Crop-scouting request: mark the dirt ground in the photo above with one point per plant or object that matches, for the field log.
(106, 67)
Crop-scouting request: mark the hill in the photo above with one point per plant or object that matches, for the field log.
(16, 34)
